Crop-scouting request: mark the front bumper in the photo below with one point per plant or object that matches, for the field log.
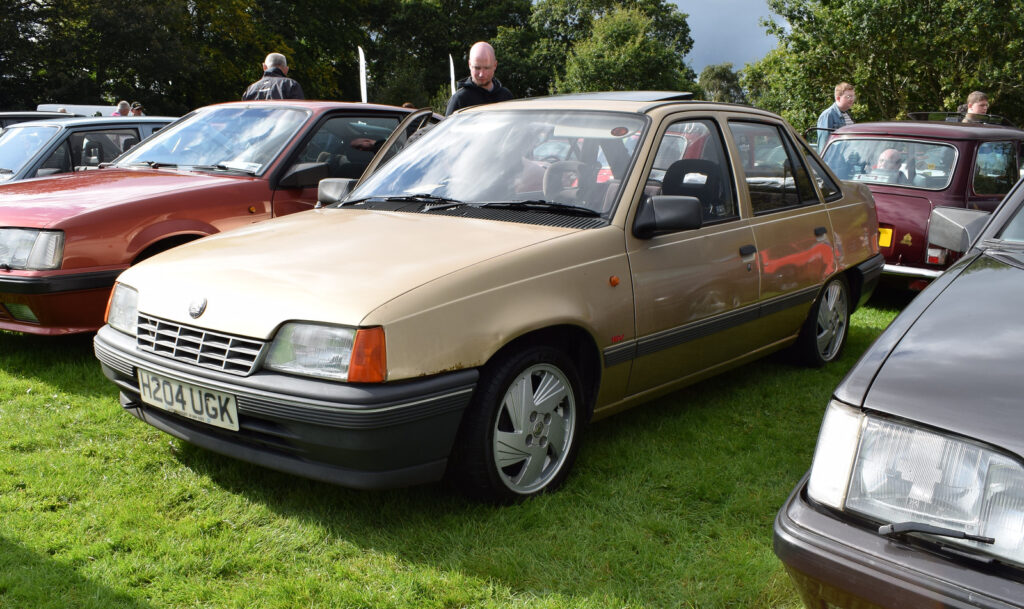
(54, 303)
(836, 564)
(361, 436)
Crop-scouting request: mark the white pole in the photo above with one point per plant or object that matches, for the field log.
(362, 73)
(451, 69)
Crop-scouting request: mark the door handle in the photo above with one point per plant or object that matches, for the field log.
(747, 250)
(821, 231)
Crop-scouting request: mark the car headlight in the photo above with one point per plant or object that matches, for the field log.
(31, 249)
(893, 472)
(123, 309)
(330, 352)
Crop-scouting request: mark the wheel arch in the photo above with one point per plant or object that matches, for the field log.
(572, 340)
(164, 244)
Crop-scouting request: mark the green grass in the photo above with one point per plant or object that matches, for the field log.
(670, 505)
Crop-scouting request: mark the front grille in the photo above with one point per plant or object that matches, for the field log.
(200, 347)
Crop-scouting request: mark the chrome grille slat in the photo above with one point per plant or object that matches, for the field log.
(204, 348)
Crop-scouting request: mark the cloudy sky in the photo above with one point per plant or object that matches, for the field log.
(726, 30)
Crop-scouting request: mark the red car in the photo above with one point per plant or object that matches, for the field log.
(913, 167)
(64, 239)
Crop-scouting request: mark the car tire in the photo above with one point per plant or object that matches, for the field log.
(824, 333)
(520, 436)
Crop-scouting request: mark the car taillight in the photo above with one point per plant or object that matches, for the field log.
(936, 255)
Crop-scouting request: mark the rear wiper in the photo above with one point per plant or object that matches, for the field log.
(897, 528)
(545, 206)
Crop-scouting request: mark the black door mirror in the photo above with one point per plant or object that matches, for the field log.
(665, 214)
(304, 175)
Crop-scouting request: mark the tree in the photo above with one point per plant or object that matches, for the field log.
(901, 55)
(721, 84)
(535, 57)
(622, 53)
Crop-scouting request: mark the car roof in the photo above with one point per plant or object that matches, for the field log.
(640, 102)
(33, 113)
(88, 121)
(317, 105)
(933, 129)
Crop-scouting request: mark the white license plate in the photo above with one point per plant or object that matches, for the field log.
(188, 400)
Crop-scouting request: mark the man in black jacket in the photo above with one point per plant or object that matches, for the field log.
(275, 83)
(481, 87)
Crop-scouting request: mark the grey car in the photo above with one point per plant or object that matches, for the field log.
(59, 145)
(916, 494)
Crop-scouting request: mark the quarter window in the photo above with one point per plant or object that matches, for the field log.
(776, 177)
(828, 187)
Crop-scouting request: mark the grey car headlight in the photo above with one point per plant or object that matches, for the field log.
(356, 355)
(312, 350)
(31, 249)
(123, 309)
(893, 472)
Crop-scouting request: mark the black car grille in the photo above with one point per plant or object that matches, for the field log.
(200, 347)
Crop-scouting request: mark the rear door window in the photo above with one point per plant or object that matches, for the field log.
(776, 176)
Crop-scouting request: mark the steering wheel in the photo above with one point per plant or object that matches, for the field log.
(554, 178)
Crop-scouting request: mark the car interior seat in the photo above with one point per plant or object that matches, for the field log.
(695, 178)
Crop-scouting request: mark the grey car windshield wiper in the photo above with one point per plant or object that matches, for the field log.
(219, 167)
(434, 202)
(155, 164)
(545, 206)
(897, 528)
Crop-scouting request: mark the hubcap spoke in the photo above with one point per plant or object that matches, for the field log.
(534, 428)
(510, 448)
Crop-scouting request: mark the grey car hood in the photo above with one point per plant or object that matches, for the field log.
(957, 364)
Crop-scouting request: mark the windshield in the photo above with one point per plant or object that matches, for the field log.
(573, 158)
(18, 145)
(910, 163)
(244, 138)
(1013, 231)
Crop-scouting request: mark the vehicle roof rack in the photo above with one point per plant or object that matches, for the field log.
(640, 96)
(958, 117)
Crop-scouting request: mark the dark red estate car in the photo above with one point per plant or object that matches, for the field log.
(912, 167)
(64, 239)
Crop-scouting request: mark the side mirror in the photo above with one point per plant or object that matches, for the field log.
(665, 214)
(955, 228)
(332, 190)
(304, 175)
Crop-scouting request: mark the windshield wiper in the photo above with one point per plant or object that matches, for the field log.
(155, 164)
(421, 198)
(430, 202)
(897, 528)
(545, 206)
(219, 167)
